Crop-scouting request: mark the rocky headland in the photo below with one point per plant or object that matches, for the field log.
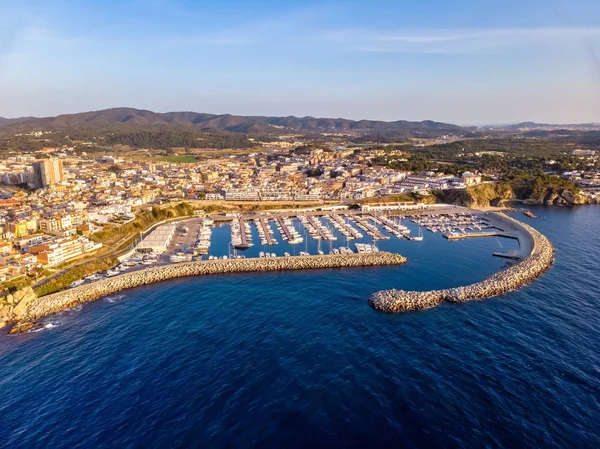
(500, 194)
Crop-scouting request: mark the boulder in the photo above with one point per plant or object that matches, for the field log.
(20, 328)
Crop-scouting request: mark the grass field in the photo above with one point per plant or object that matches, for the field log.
(180, 159)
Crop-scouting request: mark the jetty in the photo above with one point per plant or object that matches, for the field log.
(526, 270)
(31, 310)
(472, 235)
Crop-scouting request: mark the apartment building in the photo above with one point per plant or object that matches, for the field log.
(47, 172)
(59, 251)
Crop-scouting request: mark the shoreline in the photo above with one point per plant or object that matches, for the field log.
(530, 267)
(29, 311)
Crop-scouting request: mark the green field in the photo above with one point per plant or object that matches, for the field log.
(181, 159)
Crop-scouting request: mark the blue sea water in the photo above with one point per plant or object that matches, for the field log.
(299, 359)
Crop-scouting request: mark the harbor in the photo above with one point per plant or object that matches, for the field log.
(329, 232)
(531, 264)
(178, 256)
(304, 234)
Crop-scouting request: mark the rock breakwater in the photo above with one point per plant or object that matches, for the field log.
(529, 268)
(34, 308)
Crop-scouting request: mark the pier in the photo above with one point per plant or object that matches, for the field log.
(267, 232)
(472, 235)
(350, 232)
(319, 228)
(286, 231)
(399, 231)
(371, 230)
(243, 234)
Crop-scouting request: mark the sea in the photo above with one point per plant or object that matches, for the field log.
(299, 359)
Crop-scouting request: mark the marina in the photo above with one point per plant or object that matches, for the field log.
(320, 233)
(344, 228)
(371, 230)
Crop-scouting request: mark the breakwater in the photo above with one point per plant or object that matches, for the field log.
(529, 268)
(32, 309)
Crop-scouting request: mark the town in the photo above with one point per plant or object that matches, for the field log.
(58, 204)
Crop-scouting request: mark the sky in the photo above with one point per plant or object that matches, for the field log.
(469, 62)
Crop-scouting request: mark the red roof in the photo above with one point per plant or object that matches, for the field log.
(9, 202)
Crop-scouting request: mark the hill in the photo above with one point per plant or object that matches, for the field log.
(98, 120)
(530, 126)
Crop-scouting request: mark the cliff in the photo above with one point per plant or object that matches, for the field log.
(483, 195)
(561, 198)
(496, 194)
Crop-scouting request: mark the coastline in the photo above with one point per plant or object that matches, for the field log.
(30, 310)
(531, 266)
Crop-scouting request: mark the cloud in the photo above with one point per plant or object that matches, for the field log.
(456, 41)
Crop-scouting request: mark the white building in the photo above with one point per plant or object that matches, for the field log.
(158, 240)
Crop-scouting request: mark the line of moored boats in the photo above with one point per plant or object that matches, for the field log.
(458, 223)
(126, 264)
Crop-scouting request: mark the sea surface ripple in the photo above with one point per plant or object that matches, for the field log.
(299, 359)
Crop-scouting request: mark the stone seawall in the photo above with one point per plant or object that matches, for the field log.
(529, 268)
(35, 308)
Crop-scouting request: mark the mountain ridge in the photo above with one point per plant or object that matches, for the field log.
(222, 122)
(554, 126)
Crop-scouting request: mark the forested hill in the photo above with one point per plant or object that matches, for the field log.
(231, 123)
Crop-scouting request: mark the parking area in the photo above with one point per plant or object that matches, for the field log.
(183, 241)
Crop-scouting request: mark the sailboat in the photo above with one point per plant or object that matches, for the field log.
(419, 238)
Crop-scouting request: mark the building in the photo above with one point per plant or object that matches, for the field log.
(158, 240)
(59, 251)
(583, 152)
(18, 228)
(47, 172)
(470, 178)
(48, 225)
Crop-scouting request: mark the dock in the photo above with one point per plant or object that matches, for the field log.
(317, 228)
(266, 230)
(471, 235)
(512, 254)
(286, 231)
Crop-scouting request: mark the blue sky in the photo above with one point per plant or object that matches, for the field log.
(459, 61)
